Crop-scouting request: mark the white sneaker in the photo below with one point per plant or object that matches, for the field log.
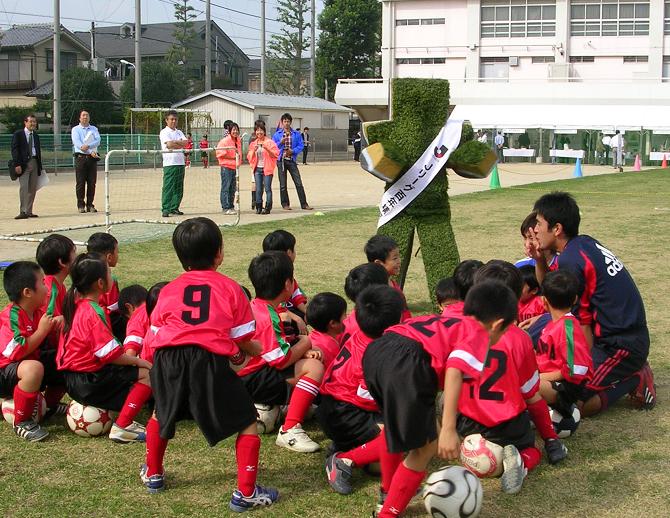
(514, 472)
(134, 432)
(296, 439)
(230, 212)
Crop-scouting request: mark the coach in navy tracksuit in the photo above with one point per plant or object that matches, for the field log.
(290, 144)
(609, 307)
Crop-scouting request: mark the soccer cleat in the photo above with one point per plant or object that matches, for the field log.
(644, 396)
(514, 470)
(134, 432)
(556, 450)
(154, 483)
(338, 472)
(30, 431)
(57, 409)
(296, 439)
(262, 497)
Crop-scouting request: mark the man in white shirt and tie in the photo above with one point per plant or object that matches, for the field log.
(85, 140)
(27, 164)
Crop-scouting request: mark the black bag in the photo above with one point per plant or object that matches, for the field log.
(12, 171)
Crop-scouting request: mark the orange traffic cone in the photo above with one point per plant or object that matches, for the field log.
(638, 165)
(664, 164)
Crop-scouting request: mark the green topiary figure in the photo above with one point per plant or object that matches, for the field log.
(420, 108)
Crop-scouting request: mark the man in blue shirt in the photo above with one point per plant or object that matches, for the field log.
(85, 140)
(290, 144)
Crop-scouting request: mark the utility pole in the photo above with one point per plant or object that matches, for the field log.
(92, 42)
(312, 57)
(262, 46)
(138, 55)
(208, 46)
(56, 65)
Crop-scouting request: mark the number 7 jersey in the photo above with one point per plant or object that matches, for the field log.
(202, 308)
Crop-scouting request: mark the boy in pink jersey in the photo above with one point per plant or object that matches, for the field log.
(445, 293)
(267, 377)
(132, 301)
(325, 314)
(410, 363)
(201, 320)
(23, 329)
(464, 278)
(347, 413)
(357, 280)
(530, 302)
(384, 250)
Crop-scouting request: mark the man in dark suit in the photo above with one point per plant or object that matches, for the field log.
(27, 159)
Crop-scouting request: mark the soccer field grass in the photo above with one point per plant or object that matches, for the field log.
(617, 465)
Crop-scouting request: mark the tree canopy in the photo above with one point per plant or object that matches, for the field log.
(162, 84)
(85, 89)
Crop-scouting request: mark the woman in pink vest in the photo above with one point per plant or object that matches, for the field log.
(262, 157)
(229, 160)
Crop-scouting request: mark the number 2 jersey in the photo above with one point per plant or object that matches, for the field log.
(510, 376)
(202, 308)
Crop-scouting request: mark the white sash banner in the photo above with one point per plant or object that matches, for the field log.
(422, 172)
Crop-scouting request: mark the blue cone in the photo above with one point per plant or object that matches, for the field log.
(578, 169)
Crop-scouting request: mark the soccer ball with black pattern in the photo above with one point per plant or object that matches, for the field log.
(482, 457)
(88, 421)
(453, 492)
(564, 425)
(38, 413)
(267, 417)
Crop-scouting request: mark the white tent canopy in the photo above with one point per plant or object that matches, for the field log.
(557, 116)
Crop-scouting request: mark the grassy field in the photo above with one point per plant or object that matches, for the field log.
(617, 464)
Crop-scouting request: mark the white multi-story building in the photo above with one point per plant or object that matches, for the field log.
(529, 63)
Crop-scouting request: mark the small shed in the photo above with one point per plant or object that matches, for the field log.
(326, 120)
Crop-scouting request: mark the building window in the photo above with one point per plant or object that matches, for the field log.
(518, 18)
(67, 60)
(610, 18)
(543, 59)
(420, 61)
(666, 69)
(582, 59)
(419, 21)
(636, 59)
(666, 19)
(494, 69)
(327, 121)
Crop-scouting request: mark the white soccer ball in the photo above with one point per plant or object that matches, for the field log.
(88, 421)
(482, 457)
(453, 492)
(565, 426)
(266, 418)
(38, 412)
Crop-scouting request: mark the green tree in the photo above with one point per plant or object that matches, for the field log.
(162, 84)
(85, 89)
(181, 51)
(286, 71)
(349, 43)
(11, 117)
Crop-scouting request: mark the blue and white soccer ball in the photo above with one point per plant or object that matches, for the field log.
(453, 492)
(565, 426)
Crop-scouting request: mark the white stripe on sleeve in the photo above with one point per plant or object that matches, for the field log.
(526, 387)
(467, 358)
(243, 329)
(10, 347)
(581, 369)
(363, 394)
(107, 348)
(133, 338)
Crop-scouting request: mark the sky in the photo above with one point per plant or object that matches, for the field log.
(76, 15)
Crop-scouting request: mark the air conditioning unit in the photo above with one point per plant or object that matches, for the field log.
(514, 61)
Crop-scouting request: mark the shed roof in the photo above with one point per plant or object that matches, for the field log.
(29, 35)
(255, 100)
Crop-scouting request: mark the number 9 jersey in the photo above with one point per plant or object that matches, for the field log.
(202, 308)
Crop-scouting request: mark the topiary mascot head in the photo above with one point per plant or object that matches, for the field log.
(400, 151)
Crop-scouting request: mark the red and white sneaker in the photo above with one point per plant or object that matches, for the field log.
(644, 396)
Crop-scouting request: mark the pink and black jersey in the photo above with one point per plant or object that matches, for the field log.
(270, 333)
(147, 351)
(533, 307)
(461, 343)
(454, 310)
(203, 308)
(110, 300)
(90, 343)
(327, 344)
(136, 329)
(15, 327)
(609, 300)
(406, 313)
(562, 347)
(344, 380)
(350, 326)
(297, 297)
(510, 377)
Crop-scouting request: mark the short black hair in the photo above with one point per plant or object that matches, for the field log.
(29, 116)
(490, 300)
(197, 242)
(19, 276)
(172, 112)
(226, 124)
(135, 295)
(378, 307)
(260, 124)
(528, 277)
(379, 247)
(363, 276)
(446, 290)
(324, 308)
(560, 288)
(269, 272)
(101, 243)
(464, 276)
(152, 296)
(528, 222)
(501, 271)
(51, 250)
(560, 207)
(287, 116)
(280, 240)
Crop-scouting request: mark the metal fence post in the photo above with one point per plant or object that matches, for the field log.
(331, 149)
